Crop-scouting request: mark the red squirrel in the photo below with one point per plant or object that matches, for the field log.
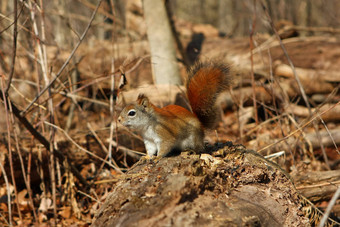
(174, 128)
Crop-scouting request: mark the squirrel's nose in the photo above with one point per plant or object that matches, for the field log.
(119, 119)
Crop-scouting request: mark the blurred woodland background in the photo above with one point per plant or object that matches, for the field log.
(63, 65)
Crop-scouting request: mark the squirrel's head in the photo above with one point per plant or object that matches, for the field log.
(137, 115)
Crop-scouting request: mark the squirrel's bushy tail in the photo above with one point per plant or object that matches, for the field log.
(205, 82)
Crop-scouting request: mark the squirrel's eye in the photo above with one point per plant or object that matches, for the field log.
(132, 113)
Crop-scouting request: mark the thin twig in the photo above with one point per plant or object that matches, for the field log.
(65, 93)
(133, 154)
(87, 195)
(333, 183)
(53, 176)
(310, 29)
(37, 135)
(12, 21)
(112, 108)
(66, 62)
(251, 46)
(322, 121)
(73, 81)
(10, 155)
(14, 50)
(295, 131)
(7, 184)
(8, 194)
(285, 99)
(41, 49)
(29, 165)
(102, 146)
(271, 42)
(303, 93)
(77, 145)
(116, 73)
(105, 13)
(25, 98)
(329, 208)
(27, 183)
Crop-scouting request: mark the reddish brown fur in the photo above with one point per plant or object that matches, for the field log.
(175, 111)
(173, 127)
(205, 83)
(175, 120)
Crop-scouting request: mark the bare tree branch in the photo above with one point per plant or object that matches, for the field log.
(66, 62)
(14, 50)
(45, 142)
(302, 90)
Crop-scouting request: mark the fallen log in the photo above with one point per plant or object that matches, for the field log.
(326, 138)
(317, 186)
(332, 115)
(228, 187)
(306, 75)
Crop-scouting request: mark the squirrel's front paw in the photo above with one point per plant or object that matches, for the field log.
(146, 159)
(150, 159)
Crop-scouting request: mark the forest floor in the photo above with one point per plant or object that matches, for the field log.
(268, 115)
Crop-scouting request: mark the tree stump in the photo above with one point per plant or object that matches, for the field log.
(231, 186)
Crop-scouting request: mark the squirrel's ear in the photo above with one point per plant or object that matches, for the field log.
(143, 100)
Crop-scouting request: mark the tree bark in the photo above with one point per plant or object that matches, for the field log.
(228, 187)
(317, 186)
(162, 44)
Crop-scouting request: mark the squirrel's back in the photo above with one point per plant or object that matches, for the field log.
(205, 82)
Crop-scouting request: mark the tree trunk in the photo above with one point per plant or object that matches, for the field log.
(162, 44)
